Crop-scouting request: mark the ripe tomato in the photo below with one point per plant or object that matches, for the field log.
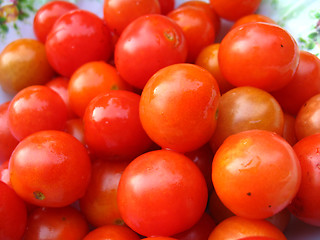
(257, 238)
(90, 80)
(119, 13)
(161, 193)
(112, 232)
(305, 204)
(235, 9)
(7, 141)
(76, 38)
(194, 22)
(235, 228)
(148, 44)
(252, 18)
(292, 96)
(308, 118)
(112, 126)
(50, 168)
(258, 54)
(56, 223)
(13, 214)
(36, 108)
(245, 108)
(99, 204)
(47, 15)
(23, 63)
(188, 123)
(241, 173)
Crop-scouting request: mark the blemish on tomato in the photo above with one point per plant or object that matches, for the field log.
(119, 221)
(39, 195)
(249, 194)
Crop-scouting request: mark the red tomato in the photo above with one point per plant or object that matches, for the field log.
(90, 80)
(99, 204)
(194, 22)
(60, 86)
(166, 6)
(289, 133)
(235, 228)
(76, 38)
(257, 238)
(56, 223)
(161, 193)
(235, 9)
(112, 126)
(254, 154)
(7, 141)
(148, 44)
(23, 63)
(188, 123)
(75, 128)
(112, 232)
(50, 168)
(304, 85)
(36, 108)
(260, 55)
(13, 214)
(305, 204)
(47, 15)
(120, 13)
(252, 18)
(200, 231)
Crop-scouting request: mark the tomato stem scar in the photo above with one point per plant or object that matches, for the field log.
(39, 195)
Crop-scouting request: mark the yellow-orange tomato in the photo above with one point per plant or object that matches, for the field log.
(23, 63)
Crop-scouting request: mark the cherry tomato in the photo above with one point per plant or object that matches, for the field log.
(258, 54)
(245, 108)
(90, 80)
(76, 38)
(99, 204)
(7, 141)
(188, 123)
(292, 96)
(257, 238)
(47, 15)
(305, 204)
(23, 63)
(308, 118)
(50, 168)
(112, 232)
(60, 86)
(252, 18)
(235, 228)
(36, 108)
(148, 44)
(13, 214)
(56, 223)
(200, 231)
(241, 173)
(208, 59)
(235, 9)
(161, 193)
(194, 22)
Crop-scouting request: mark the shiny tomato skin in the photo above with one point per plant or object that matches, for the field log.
(47, 15)
(235, 228)
(118, 14)
(75, 128)
(7, 141)
(50, 168)
(260, 55)
(112, 126)
(112, 232)
(13, 214)
(254, 154)
(235, 9)
(252, 18)
(304, 206)
(161, 193)
(148, 44)
(34, 109)
(99, 204)
(292, 96)
(76, 38)
(23, 63)
(188, 123)
(60, 223)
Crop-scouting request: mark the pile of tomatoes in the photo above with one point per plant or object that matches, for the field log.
(143, 125)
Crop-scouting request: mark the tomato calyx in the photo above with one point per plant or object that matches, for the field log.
(39, 195)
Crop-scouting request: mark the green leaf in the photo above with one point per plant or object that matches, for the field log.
(302, 40)
(4, 28)
(2, 20)
(317, 15)
(313, 35)
(310, 45)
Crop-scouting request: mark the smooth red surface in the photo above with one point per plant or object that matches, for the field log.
(112, 232)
